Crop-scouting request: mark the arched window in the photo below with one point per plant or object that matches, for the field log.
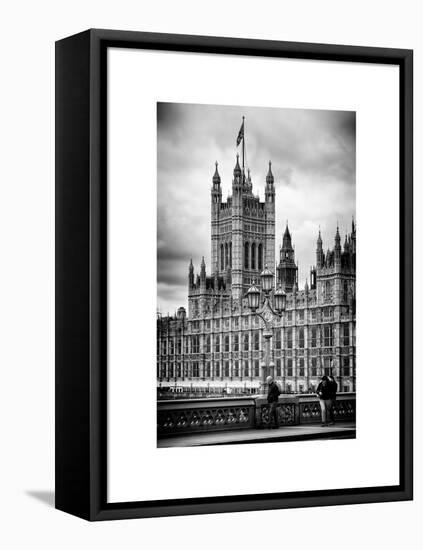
(226, 256)
(222, 258)
(260, 257)
(230, 254)
(246, 341)
(208, 344)
(328, 336)
(217, 344)
(246, 255)
(253, 256)
(256, 341)
(301, 337)
(246, 369)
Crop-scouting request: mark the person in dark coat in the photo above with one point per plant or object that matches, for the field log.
(333, 389)
(324, 394)
(273, 398)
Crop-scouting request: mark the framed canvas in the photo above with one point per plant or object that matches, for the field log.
(234, 323)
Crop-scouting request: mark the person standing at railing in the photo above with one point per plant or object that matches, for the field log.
(333, 389)
(273, 398)
(324, 394)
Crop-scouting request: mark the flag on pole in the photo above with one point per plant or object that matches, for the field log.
(240, 134)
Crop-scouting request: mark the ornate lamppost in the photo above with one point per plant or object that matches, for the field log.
(269, 313)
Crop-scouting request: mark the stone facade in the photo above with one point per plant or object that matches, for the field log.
(220, 343)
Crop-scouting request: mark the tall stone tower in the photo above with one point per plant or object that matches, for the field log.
(335, 270)
(237, 224)
(216, 201)
(287, 268)
(270, 220)
(242, 231)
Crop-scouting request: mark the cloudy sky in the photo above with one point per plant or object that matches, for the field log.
(313, 162)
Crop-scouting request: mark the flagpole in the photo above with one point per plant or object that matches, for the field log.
(243, 147)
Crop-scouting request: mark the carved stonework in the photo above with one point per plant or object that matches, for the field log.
(286, 414)
(205, 419)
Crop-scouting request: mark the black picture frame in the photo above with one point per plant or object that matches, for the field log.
(81, 274)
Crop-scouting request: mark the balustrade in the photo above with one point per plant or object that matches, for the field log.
(194, 415)
(211, 414)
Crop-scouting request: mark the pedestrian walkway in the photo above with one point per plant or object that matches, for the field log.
(344, 430)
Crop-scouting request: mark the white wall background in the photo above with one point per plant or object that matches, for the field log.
(27, 37)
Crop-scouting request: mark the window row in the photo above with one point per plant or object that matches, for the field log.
(315, 314)
(253, 256)
(243, 369)
(225, 255)
(317, 336)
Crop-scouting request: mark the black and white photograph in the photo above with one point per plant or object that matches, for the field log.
(256, 275)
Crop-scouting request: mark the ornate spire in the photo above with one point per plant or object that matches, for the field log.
(306, 286)
(203, 270)
(269, 178)
(319, 240)
(286, 241)
(216, 177)
(319, 251)
(337, 235)
(287, 230)
(337, 249)
(237, 169)
(191, 275)
(249, 183)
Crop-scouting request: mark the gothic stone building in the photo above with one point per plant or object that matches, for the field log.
(219, 343)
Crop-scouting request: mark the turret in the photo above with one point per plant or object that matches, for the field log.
(337, 239)
(216, 202)
(287, 241)
(270, 188)
(353, 236)
(337, 250)
(319, 252)
(203, 273)
(287, 269)
(249, 184)
(191, 275)
(346, 244)
(270, 218)
(237, 171)
(237, 233)
(216, 189)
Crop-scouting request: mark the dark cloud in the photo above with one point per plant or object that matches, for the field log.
(173, 271)
(313, 161)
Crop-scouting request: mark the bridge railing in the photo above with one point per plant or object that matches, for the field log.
(212, 414)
